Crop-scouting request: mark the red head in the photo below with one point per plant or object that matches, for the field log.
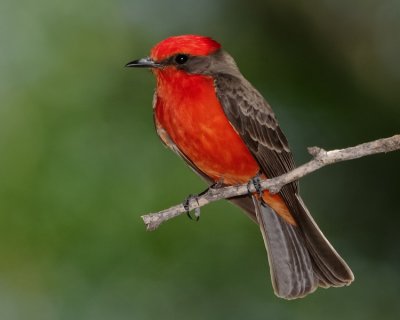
(186, 44)
(187, 55)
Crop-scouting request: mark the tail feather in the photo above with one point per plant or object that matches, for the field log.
(290, 264)
(329, 265)
(300, 257)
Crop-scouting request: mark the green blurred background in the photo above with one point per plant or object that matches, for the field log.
(80, 161)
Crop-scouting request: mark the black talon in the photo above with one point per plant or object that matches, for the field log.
(248, 187)
(257, 185)
(186, 202)
(189, 215)
(186, 205)
(256, 181)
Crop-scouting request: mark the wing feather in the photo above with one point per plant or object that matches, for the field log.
(254, 120)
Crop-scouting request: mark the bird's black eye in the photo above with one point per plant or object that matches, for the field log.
(181, 58)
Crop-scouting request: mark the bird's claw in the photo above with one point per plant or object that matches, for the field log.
(186, 205)
(256, 182)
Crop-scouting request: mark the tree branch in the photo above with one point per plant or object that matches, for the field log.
(321, 159)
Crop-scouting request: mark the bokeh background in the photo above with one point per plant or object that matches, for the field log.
(80, 161)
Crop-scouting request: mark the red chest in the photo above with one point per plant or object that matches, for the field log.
(188, 109)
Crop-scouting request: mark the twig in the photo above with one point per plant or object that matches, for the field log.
(321, 159)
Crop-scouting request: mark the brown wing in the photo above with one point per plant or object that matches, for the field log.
(254, 120)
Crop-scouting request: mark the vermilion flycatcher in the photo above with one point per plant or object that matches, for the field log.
(215, 120)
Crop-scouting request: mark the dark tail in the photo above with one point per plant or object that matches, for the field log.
(300, 257)
(331, 269)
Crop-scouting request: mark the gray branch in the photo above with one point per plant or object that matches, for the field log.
(320, 159)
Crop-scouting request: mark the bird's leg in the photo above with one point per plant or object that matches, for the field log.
(218, 184)
(214, 186)
(256, 181)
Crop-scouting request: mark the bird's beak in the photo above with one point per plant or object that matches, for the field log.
(146, 62)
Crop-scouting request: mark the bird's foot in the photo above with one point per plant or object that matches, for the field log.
(256, 182)
(186, 205)
(191, 197)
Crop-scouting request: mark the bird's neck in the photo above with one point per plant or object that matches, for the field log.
(176, 84)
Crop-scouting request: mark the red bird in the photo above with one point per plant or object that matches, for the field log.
(215, 120)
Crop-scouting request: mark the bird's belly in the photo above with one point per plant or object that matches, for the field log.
(219, 153)
(203, 133)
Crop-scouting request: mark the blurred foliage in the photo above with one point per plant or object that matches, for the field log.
(80, 161)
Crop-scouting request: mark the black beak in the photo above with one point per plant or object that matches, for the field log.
(146, 62)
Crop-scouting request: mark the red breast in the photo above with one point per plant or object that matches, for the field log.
(188, 109)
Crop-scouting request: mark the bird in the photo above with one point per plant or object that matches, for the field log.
(213, 118)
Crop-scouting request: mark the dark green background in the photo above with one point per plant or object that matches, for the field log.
(80, 161)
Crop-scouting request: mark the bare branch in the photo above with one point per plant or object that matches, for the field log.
(321, 159)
